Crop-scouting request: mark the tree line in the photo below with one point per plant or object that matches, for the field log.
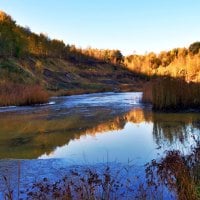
(178, 62)
(20, 41)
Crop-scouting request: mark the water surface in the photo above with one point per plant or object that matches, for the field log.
(94, 128)
(88, 130)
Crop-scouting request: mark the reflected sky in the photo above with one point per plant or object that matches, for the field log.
(133, 143)
(94, 128)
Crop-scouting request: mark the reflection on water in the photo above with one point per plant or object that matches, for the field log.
(94, 128)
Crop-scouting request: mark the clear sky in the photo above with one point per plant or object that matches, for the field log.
(129, 25)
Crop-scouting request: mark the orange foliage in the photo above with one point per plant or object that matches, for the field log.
(177, 63)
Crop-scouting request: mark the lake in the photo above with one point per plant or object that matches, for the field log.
(89, 129)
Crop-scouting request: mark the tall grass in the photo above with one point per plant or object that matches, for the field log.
(176, 172)
(172, 94)
(19, 94)
(85, 183)
(180, 173)
(147, 93)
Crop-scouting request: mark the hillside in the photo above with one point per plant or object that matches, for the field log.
(34, 62)
(65, 77)
(28, 59)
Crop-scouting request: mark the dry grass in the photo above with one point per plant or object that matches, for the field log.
(84, 184)
(18, 94)
(147, 93)
(173, 172)
(180, 173)
(172, 94)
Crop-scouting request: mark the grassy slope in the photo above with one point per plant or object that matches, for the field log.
(62, 77)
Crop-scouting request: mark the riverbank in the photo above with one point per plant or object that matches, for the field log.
(21, 95)
(59, 77)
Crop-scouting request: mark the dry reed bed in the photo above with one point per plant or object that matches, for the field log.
(172, 94)
(18, 94)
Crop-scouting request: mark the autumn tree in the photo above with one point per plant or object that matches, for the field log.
(194, 48)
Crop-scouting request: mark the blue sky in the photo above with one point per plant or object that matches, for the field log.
(129, 25)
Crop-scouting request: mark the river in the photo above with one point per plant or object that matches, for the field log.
(90, 129)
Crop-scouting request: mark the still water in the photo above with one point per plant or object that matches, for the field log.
(47, 141)
(94, 128)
